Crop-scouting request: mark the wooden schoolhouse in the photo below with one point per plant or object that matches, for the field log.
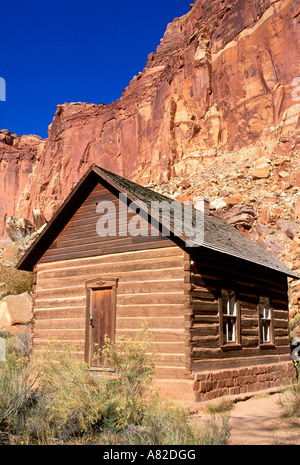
(216, 301)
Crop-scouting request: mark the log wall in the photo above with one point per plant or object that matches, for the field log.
(227, 368)
(151, 287)
(79, 238)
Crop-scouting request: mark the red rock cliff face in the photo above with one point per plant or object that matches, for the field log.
(220, 80)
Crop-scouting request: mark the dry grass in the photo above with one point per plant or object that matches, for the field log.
(55, 400)
(221, 406)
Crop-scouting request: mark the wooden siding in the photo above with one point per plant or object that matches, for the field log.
(151, 287)
(79, 238)
(208, 275)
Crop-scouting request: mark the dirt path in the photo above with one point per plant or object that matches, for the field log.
(259, 421)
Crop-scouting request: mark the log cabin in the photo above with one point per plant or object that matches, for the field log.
(114, 255)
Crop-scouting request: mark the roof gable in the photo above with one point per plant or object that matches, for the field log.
(216, 235)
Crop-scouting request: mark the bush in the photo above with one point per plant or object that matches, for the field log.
(54, 399)
(13, 281)
(290, 401)
(166, 423)
(17, 388)
(133, 364)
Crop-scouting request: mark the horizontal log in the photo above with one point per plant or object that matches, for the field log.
(248, 341)
(203, 294)
(248, 306)
(204, 307)
(141, 299)
(204, 330)
(247, 323)
(282, 340)
(199, 366)
(281, 315)
(77, 334)
(89, 236)
(160, 347)
(203, 353)
(60, 323)
(172, 335)
(85, 270)
(173, 310)
(154, 323)
(105, 247)
(123, 288)
(130, 244)
(40, 344)
(60, 293)
(279, 323)
(141, 277)
(163, 372)
(251, 331)
(281, 332)
(60, 335)
(61, 312)
(205, 320)
(130, 299)
(69, 302)
(204, 341)
(123, 257)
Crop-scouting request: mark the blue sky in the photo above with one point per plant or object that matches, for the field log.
(73, 51)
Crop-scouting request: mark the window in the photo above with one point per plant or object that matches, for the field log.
(229, 318)
(265, 321)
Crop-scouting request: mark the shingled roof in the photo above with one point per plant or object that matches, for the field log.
(218, 235)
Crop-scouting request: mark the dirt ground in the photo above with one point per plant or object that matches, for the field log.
(259, 421)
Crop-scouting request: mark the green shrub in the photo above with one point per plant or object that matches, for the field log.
(13, 281)
(134, 366)
(17, 388)
(290, 401)
(54, 399)
(167, 423)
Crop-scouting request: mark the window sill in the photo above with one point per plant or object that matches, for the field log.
(231, 347)
(267, 345)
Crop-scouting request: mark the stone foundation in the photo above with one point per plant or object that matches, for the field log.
(208, 386)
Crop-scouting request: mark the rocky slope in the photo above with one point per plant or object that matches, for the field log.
(215, 112)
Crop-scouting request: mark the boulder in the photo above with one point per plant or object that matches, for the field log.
(259, 231)
(239, 216)
(218, 204)
(290, 228)
(38, 219)
(16, 311)
(272, 246)
(19, 229)
(261, 173)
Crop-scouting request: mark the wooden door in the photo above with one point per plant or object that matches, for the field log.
(101, 323)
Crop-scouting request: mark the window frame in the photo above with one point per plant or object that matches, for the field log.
(90, 286)
(236, 344)
(271, 342)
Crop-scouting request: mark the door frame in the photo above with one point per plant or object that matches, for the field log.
(95, 285)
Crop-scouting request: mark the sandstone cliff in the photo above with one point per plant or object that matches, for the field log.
(220, 80)
(216, 111)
